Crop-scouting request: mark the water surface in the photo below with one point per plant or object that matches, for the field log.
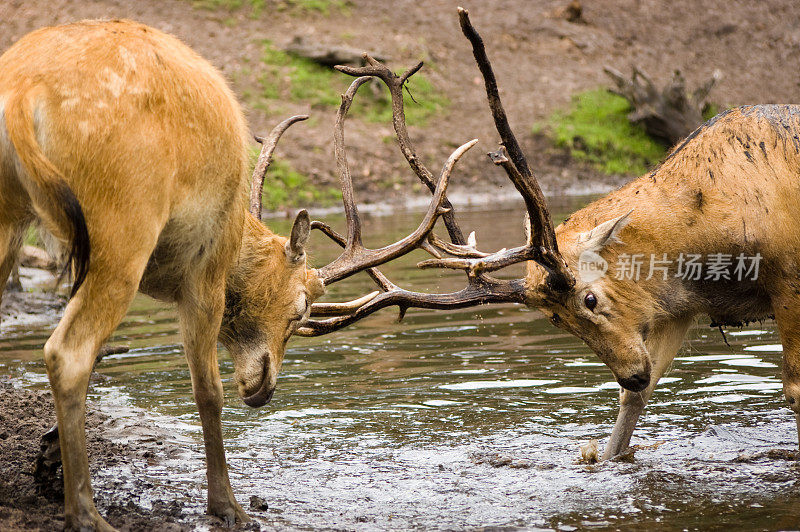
(463, 419)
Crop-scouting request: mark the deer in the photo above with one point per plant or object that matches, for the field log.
(728, 192)
(131, 151)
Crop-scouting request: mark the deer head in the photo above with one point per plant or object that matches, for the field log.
(613, 316)
(271, 291)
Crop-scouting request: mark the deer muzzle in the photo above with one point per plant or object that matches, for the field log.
(636, 382)
(263, 394)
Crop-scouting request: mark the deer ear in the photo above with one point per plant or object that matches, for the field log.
(604, 234)
(301, 229)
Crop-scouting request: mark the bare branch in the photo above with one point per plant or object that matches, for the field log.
(670, 113)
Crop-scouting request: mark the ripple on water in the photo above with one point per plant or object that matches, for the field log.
(767, 348)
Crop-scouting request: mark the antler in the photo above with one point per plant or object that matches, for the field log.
(541, 245)
(265, 159)
(481, 289)
(355, 256)
(395, 84)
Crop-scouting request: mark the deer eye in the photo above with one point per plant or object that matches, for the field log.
(590, 300)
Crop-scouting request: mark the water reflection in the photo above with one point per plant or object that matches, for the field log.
(466, 418)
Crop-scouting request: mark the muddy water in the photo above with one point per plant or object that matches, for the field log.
(464, 419)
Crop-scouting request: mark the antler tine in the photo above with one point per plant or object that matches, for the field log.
(327, 309)
(265, 159)
(466, 251)
(380, 279)
(395, 84)
(480, 290)
(356, 257)
(345, 179)
(542, 234)
(340, 309)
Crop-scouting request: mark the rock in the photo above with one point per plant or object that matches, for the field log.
(572, 12)
(258, 504)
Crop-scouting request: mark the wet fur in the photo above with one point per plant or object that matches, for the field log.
(733, 186)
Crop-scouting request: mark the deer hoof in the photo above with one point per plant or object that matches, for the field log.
(792, 393)
(229, 513)
(92, 523)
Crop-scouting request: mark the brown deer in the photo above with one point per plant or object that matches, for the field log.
(132, 151)
(729, 195)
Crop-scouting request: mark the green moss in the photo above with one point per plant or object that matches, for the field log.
(596, 129)
(286, 187)
(711, 110)
(302, 80)
(229, 5)
(320, 6)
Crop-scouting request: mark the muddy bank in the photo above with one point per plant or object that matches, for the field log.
(127, 502)
(541, 60)
(35, 302)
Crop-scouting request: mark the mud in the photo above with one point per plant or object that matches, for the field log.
(34, 303)
(25, 415)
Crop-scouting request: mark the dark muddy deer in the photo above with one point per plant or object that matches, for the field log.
(621, 273)
(131, 150)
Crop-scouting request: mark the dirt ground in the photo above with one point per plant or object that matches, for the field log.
(540, 59)
(27, 414)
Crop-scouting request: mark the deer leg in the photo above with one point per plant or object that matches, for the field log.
(201, 317)
(90, 317)
(662, 344)
(631, 406)
(10, 241)
(787, 317)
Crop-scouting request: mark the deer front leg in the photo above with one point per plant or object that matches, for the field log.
(201, 318)
(631, 406)
(662, 344)
(787, 317)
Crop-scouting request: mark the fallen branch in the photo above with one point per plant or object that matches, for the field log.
(328, 55)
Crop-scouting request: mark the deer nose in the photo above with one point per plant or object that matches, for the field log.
(637, 382)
